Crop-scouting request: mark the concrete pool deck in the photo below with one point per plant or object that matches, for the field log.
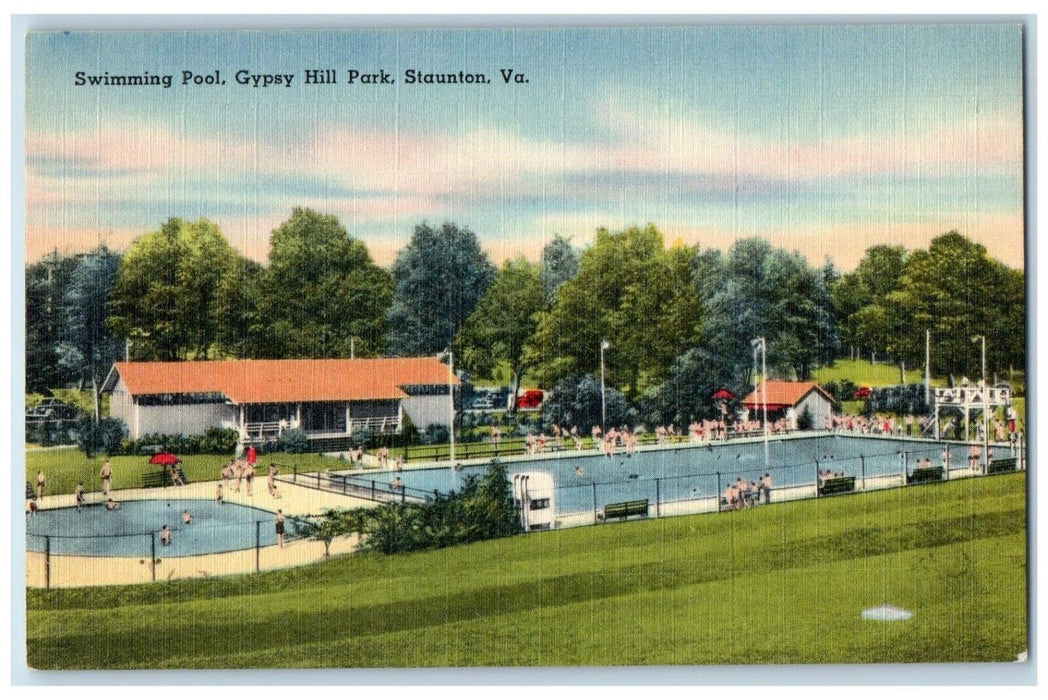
(302, 500)
(66, 571)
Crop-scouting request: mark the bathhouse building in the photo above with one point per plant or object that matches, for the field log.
(788, 400)
(326, 399)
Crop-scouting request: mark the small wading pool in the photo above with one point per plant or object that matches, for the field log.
(587, 481)
(129, 530)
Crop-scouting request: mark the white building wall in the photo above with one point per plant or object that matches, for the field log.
(820, 409)
(189, 419)
(122, 407)
(426, 410)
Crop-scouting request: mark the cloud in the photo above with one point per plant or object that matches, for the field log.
(675, 171)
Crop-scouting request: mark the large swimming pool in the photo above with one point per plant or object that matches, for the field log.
(130, 531)
(585, 481)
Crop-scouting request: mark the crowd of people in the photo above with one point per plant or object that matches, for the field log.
(745, 494)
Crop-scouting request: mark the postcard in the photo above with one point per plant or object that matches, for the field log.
(569, 346)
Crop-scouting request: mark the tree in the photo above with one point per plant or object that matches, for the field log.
(166, 297)
(503, 321)
(87, 348)
(440, 277)
(322, 295)
(630, 291)
(760, 291)
(335, 522)
(878, 274)
(687, 393)
(576, 400)
(560, 263)
(45, 283)
(241, 328)
(955, 290)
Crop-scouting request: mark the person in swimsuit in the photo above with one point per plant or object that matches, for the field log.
(280, 528)
(107, 477)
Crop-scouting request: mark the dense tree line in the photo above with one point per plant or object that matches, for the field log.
(676, 322)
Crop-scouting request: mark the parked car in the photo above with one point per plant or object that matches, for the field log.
(52, 409)
(863, 392)
(483, 403)
(532, 398)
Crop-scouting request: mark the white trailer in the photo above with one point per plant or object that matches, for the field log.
(533, 495)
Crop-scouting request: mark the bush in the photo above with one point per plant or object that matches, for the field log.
(111, 432)
(436, 434)
(293, 441)
(482, 509)
(843, 390)
(805, 421)
(107, 434)
(362, 436)
(219, 441)
(905, 398)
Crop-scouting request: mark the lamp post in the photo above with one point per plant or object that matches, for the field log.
(985, 410)
(604, 345)
(450, 354)
(759, 343)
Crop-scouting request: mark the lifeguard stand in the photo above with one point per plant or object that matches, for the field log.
(969, 398)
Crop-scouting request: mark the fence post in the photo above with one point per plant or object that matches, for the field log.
(717, 496)
(47, 561)
(318, 478)
(258, 545)
(294, 477)
(816, 478)
(862, 462)
(657, 495)
(372, 489)
(905, 466)
(594, 502)
(152, 553)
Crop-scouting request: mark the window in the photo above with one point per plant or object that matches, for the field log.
(539, 504)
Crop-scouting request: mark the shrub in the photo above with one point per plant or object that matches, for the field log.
(111, 432)
(482, 509)
(293, 441)
(219, 441)
(436, 434)
(805, 421)
(362, 436)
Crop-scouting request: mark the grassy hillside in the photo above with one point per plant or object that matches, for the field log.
(865, 373)
(784, 583)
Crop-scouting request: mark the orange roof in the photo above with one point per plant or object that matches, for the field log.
(782, 393)
(277, 381)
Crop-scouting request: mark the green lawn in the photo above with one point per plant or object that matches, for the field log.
(784, 583)
(864, 373)
(65, 467)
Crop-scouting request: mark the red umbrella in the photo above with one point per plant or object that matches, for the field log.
(723, 394)
(164, 458)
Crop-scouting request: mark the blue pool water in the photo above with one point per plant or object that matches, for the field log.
(692, 472)
(129, 531)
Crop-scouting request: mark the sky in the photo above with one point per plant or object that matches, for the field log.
(822, 139)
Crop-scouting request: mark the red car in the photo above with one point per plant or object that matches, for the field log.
(863, 392)
(532, 398)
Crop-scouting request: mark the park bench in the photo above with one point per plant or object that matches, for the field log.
(151, 480)
(1001, 466)
(923, 475)
(837, 484)
(626, 509)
